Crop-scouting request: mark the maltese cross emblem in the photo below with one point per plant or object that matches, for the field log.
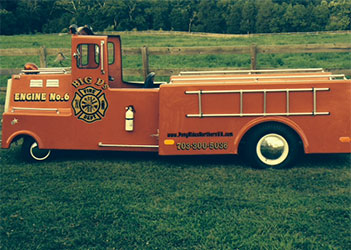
(89, 104)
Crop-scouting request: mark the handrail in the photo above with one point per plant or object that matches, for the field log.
(35, 109)
(250, 71)
(257, 77)
(48, 71)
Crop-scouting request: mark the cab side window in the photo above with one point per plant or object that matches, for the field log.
(88, 56)
(111, 53)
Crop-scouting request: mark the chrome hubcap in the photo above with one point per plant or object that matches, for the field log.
(39, 154)
(272, 149)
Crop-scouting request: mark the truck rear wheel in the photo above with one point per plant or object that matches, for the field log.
(272, 146)
(32, 152)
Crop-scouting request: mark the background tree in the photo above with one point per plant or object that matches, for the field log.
(320, 16)
(340, 15)
(277, 22)
(248, 17)
(220, 16)
(264, 16)
(210, 17)
(157, 13)
(233, 17)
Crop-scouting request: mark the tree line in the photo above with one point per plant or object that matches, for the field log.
(213, 16)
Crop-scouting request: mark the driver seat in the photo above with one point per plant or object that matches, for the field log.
(149, 81)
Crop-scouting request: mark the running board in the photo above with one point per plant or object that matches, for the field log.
(126, 145)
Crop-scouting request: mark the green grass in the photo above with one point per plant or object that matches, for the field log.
(307, 60)
(177, 39)
(81, 200)
(35, 41)
(20, 61)
(131, 39)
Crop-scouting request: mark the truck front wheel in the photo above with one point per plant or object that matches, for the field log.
(272, 146)
(32, 152)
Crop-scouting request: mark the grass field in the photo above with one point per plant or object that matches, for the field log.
(81, 200)
(95, 200)
(178, 39)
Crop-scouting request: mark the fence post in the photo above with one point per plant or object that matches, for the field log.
(42, 57)
(145, 58)
(253, 52)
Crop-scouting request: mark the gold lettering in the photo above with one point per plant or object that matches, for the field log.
(52, 97)
(22, 96)
(105, 86)
(75, 83)
(88, 80)
(99, 82)
(78, 82)
(81, 81)
(28, 97)
(37, 97)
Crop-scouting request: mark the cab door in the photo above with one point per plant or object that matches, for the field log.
(89, 61)
(115, 62)
(89, 78)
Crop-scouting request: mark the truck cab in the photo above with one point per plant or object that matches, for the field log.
(83, 107)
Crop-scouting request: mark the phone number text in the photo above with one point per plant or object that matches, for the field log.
(202, 146)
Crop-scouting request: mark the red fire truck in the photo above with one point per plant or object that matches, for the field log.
(268, 116)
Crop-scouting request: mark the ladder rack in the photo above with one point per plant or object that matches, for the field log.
(256, 78)
(314, 112)
(259, 71)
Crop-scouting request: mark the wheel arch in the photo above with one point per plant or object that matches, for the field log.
(22, 134)
(246, 130)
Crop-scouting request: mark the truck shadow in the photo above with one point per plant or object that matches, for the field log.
(200, 160)
(330, 161)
